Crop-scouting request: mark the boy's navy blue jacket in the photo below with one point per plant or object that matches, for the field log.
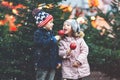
(46, 54)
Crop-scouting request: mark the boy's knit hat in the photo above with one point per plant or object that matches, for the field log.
(74, 24)
(41, 17)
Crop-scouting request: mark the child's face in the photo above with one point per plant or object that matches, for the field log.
(67, 28)
(49, 25)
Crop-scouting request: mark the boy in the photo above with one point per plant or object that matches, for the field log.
(46, 54)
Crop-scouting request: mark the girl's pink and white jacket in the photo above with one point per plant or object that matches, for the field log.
(79, 54)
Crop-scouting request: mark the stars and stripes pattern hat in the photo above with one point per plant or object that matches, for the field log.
(41, 17)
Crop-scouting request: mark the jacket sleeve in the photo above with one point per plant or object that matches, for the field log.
(41, 39)
(63, 50)
(83, 52)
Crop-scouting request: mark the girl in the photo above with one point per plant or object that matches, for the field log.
(74, 62)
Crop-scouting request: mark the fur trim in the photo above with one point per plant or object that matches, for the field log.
(80, 34)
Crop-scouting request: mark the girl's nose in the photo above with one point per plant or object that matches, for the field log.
(64, 26)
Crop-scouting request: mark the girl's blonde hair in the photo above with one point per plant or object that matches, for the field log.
(79, 34)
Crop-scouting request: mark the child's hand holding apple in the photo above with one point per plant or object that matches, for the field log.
(60, 34)
(73, 46)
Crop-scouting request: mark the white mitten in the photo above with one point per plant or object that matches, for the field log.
(58, 37)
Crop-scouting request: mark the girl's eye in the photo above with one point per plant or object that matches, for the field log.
(68, 25)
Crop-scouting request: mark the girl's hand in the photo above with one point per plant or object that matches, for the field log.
(76, 64)
(69, 52)
(58, 66)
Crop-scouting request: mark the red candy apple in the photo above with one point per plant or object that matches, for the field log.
(73, 46)
(61, 32)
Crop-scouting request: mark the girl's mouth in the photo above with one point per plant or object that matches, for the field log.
(65, 29)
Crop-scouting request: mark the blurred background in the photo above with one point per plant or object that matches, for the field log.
(99, 19)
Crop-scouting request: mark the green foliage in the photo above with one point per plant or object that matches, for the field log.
(17, 48)
(104, 52)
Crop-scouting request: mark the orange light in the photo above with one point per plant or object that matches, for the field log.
(5, 3)
(15, 11)
(49, 6)
(93, 3)
(81, 20)
(10, 3)
(13, 28)
(94, 24)
(92, 18)
(65, 8)
(20, 6)
(2, 22)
